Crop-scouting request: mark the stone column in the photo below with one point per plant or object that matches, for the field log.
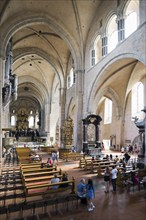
(62, 100)
(1, 104)
(121, 28)
(78, 132)
(47, 122)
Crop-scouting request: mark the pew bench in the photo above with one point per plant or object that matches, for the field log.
(46, 189)
(90, 164)
(38, 169)
(30, 164)
(40, 180)
(71, 156)
(41, 173)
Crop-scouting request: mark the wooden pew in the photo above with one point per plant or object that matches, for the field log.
(40, 180)
(102, 164)
(71, 156)
(41, 189)
(39, 177)
(36, 169)
(26, 165)
(101, 168)
(40, 173)
(93, 164)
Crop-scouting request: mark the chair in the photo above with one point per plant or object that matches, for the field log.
(71, 198)
(48, 203)
(28, 206)
(3, 211)
(14, 208)
(44, 216)
(33, 217)
(19, 218)
(40, 204)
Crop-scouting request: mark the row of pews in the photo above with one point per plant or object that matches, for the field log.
(96, 166)
(37, 180)
(71, 156)
(29, 186)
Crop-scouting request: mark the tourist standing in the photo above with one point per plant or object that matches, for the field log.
(90, 195)
(107, 179)
(114, 177)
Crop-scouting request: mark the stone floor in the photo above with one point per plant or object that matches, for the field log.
(113, 206)
(121, 205)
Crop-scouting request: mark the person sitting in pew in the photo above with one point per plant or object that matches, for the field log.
(55, 179)
(35, 157)
(64, 178)
(49, 162)
(81, 191)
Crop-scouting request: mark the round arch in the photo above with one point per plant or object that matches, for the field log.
(41, 89)
(111, 94)
(26, 51)
(105, 68)
(23, 19)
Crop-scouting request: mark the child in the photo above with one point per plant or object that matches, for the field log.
(90, 194)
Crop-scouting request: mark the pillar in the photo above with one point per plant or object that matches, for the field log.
(78, 133)
(62, 100)
(47, 122)
(1, 104)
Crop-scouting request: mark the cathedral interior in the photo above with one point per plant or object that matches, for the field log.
(73, 75)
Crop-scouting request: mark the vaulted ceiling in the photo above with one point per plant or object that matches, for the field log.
(47, 35)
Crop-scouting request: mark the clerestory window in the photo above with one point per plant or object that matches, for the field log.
(137, 100)
(112, 33)
(131, 17)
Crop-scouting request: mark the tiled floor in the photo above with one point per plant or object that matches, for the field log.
(113, 206)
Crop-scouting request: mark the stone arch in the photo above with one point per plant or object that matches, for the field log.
(104, 68)
(111, 94)
(42, 90)
(26, 51)
(23, 19)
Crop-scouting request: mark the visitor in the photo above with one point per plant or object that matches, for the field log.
(81, 188)
(64, 178)
(49, 162)
(55, 179)
(114, 177)
(107, 179)
(90, 195)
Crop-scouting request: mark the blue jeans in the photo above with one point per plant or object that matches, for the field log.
(114, 184)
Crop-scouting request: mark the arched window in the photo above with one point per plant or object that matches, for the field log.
(13, 120)
(31, 112)
(96, 53)
(31, 121)
(138, 100)
(112, 33)
(107, 111)
(70, 79)
(37, 119)
(131, 17)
